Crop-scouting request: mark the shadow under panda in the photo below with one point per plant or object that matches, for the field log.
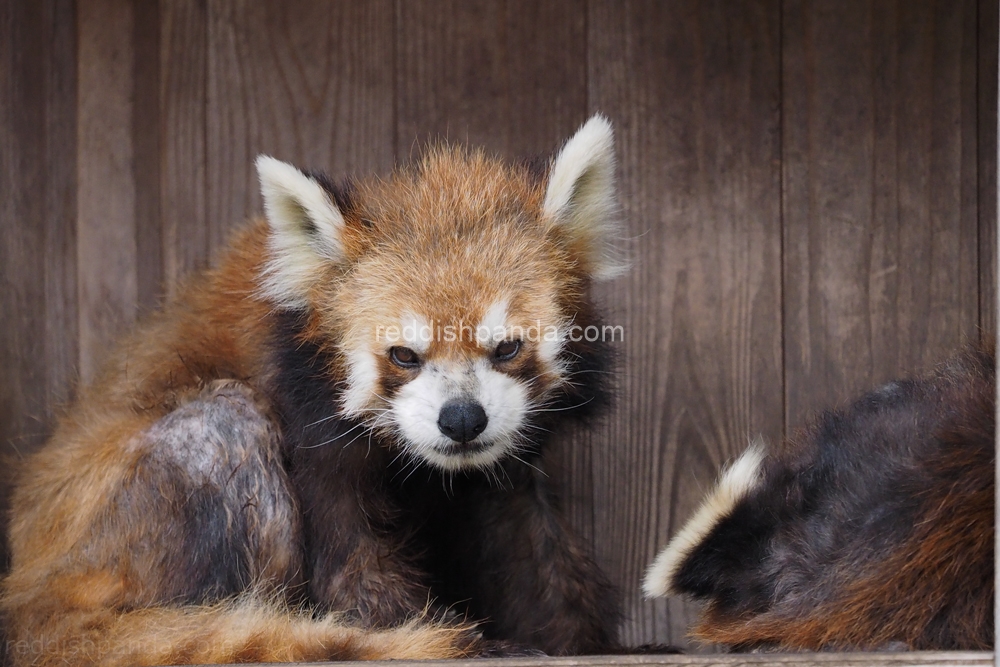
(872, 528)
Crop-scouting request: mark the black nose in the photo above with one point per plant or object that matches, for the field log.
(462, 421)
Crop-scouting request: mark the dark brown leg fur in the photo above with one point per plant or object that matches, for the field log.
(356, 552)
(357, 556)
(530, 575)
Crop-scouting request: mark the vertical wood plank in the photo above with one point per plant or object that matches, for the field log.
(145, 127)
(694, 89)
(38, 253)
(61, 307)
(509, 75)
(38, 350)
(987, 138)
(989, 216)
(38, 315)
(880, 222)
(106, 197)
(30, 67)
(183, 98)
(306, 82)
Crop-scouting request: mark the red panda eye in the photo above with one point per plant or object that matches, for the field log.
(404, 357)
(507, 350)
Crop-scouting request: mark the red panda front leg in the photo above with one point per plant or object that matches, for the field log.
(355, 561)
(523, 569)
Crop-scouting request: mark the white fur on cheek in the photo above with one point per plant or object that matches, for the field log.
(506, 403)
(417, 406)
(550, 346)
(362, 382)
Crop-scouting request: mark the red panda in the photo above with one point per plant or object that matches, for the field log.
(335, 432)
(871, 529)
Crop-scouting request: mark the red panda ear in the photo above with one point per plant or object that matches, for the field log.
(305, 235)
(580, 196)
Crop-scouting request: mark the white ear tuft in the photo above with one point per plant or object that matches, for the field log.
(305, 236)
(739, 479)
(581, 195)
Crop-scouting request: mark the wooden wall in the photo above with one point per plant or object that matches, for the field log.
(810, 189)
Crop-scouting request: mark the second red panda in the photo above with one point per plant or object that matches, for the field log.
(872, 529)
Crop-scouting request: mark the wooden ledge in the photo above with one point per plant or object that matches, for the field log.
(901, 659)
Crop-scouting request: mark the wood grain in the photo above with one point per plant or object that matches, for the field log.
(38, 344)
(902, 659)
(145, 126)
(38, 308)
(106, 197)
(22, 246)
(509, 76)
(306, 82)
(987, 159)
(183, 99)
(701, 308)
(61, 307)
(880, 263)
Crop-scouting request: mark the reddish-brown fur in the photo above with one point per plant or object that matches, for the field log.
(99, 522)
(66, 594)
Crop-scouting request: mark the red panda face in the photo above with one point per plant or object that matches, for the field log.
(452, 358)
(454, 393)
(447, 291)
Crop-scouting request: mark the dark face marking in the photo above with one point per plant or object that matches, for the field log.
(525, 367)
(394, 376)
